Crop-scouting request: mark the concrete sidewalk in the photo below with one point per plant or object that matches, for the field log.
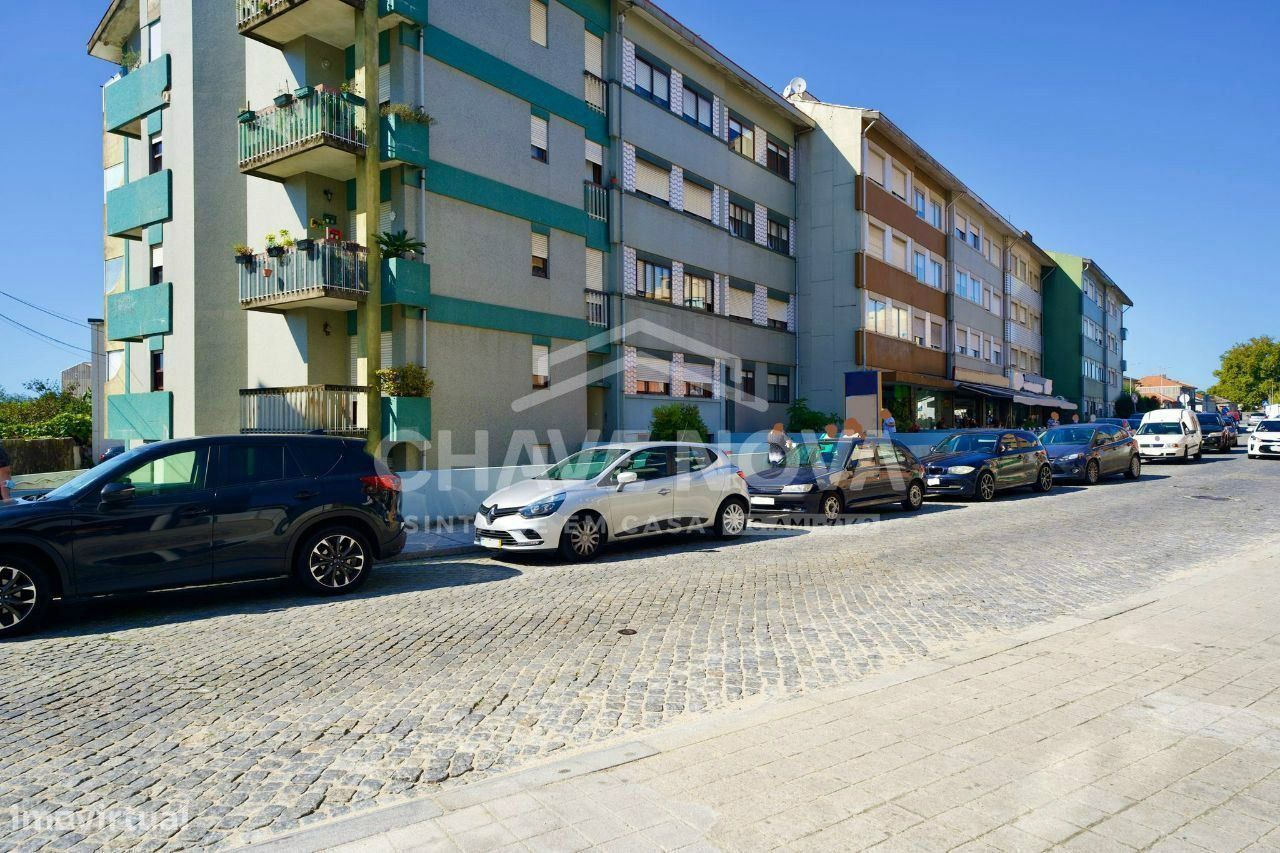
(440, 541)
(1151, 724)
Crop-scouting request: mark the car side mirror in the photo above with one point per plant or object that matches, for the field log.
(622, 478)
(114, 494)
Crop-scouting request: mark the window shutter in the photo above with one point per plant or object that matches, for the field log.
(595, 153)
(353, 360)
(740, 303)
(384, 84)
(538, 131)
(594, 53)
(697, 372)
(385, 345)
(777, 310)
(653, 180)
(538, 22)
(899, 183)
(353, 227)
(899, 258)
(875, 167)
(541, 360)
(595, 269)
(540, 244)
(875, 241)
(697, 200)
(386, 218)
(652, 369)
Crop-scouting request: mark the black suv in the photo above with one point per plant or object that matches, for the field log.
(200, 511)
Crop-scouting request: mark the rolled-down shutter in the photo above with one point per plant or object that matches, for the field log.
(740, 302)
(538, 132)
(385, 345)
(653, 180)
(595, 269)
(697, 372)
(652, 369)
(595, 153)
(538, 22)
(697, 200)
(593, 53)
(539, 245)
(777, 310)
(541, 360)
(353, 360)
(384, 84)
(386, 218)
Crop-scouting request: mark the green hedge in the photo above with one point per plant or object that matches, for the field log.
(65, 425)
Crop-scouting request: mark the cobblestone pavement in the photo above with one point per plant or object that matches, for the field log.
(204, 717)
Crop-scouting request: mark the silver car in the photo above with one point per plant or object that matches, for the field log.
(616, 492)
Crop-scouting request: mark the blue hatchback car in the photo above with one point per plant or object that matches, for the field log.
(978, 463)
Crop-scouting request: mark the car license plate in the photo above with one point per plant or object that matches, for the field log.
(933, 481)
(490, 543)
(758, 501)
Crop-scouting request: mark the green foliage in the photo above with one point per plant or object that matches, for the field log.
(46, 411)
(1124, 406)
(678, 422)
(410, 380)
(801, 418)
(398, 244)
(1147, 404)
(130, 59)
(904, 415)
(1250, 373)
(404, 112)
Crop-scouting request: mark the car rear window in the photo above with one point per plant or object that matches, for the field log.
(316, 458)
(251, 463)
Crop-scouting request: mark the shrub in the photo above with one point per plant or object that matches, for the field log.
(1124, 406)
(678, 422)
(397, 244)
(410, 380)
(407, 113)
(801, 418)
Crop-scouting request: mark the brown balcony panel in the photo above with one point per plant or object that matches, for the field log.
(900, 216)
(280, 22)
(898, 285)
(896, 354)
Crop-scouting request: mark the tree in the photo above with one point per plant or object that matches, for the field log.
(678, 422)
(46, 411)
(801, 418)
(1124, 406)
(1147, 404)
(1250, 373)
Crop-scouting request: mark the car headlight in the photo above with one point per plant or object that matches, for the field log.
(1072, 457)
(543, 506)
(797, 489)
(961, 469)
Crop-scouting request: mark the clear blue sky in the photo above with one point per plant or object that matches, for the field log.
(1143, 134)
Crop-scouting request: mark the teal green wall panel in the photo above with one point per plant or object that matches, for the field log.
(154, 235)
(140, 417)
(405, 141)
(598, 234)
(1060, 325)
(138, 204)
(406, 418)
(135, 314)
(134, 95)
(155, 122)
(594, 12)
(486, 192)
(406, 282)
(502, 318)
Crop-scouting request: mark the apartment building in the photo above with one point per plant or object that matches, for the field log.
(906, 271)
(1084, 333)
(1167, 391)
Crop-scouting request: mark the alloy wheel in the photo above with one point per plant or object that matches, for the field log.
(18, 596)
(733, 520)
(337, 561)
(987, 486)
(1046, 479)
(1135, 468)
(915, 496)
(1091, 473)
(585, 535)
(831, 508)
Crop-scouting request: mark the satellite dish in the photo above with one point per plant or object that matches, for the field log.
(797, 86)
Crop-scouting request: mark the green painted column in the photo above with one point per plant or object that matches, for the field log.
(368, 201)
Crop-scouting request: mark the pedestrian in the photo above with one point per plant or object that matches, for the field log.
(887, 424)
(1075, 417)
(1053, 420)
(6, 475)
(852, 429)
(779, 444)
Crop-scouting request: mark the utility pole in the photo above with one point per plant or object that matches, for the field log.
(370, 197)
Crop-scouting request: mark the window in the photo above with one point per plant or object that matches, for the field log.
(154, 41)
(113, 274)
(697, 199)
(900, 321)
(875, 241)
(899, 256)
(935, 215)
(538, 138)
(740, 303)
(653, 281)
(157, 371)
(594, 154)
(653, 181)
(986, 349)
(975, 236)
(962, 227)
(962, 340)
(918, 331)
(592, 54)
(653, 375)
(155, 159)
(920, 203)
(652, 463)
(652, 82)
(899, 185)
(921, 267)
(748, 384)
(698, 379)
(742, 138)
(595, 271)
(541, 264)
(875, 166)
(877, 319)
(690, 459)
(246, 464)
(935, 274)
(156, 275)
(742, 221)
(997, 303)
(699, 293)
(538, 22)
(935, 334)
(541, 365)
(176, 473)
(962, 283)
(778, 159)
(779, 387)
(697, 108)
(776, 313)
(779, 239)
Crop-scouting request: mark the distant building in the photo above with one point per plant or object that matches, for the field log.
(1165, 390)
(1084, 333)
(78, 379)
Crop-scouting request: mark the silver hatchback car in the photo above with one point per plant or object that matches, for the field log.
(616, 492)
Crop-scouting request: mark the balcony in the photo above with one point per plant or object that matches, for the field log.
(899, 355)
(129, 99)
(597, 308)
(278, 22)
(406, 419)
(405, 141)
(328, 274)
(140, 417)
(133, 315)
(139, 204)
(321, 132)
(334, 409)
(1124, 333)
(595, 92)
(898, 285)
(406, 282)
(595, 199)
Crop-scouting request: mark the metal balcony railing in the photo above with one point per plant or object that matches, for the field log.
(597, 92)
(595, 199)
(597, 308)
(327, 269)
(323, 117)
(337, 409)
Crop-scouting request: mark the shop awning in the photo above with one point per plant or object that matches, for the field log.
(1042, 400)
(985, 390)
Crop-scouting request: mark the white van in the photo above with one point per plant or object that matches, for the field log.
(1170, 434)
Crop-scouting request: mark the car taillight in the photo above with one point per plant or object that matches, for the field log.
(740, 474)
(382, 482)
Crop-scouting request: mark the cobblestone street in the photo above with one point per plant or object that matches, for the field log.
(216, 717)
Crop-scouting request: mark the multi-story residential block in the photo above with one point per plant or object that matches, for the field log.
(1084, 333)
(1167, 391)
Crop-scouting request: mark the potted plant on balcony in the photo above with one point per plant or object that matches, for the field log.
(398, 244)
(274, 249)
(243, 252)
(306, 244)
(410, 380)
(246, 115)
(286, 240)
(349, 94)
(284, 98)
(405, 112)
(130, 59)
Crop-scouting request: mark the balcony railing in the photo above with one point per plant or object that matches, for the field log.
(595, 200)
(597, 308)
(597, 92)
(337, 409)
(327, 274)
(321, 132)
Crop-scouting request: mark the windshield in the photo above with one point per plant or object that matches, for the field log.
(583, 465)
(1067, 435)
(1268, 426)
(1161, 428)
(106, 470)
(964, 442)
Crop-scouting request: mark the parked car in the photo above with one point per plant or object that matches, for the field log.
(1256, 418)
(616, 492)
(1215, 431)
(832, 477)
(199, 511)
(1090, 452)
(111, 453)
(1133, 422)
(1231, 432)
(978, 463)
(1116, 422)
(1265, 439)
(1170, 434)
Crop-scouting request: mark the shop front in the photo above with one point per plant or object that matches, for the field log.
(1034, 403)
(919, 402)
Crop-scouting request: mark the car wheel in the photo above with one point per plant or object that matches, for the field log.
(1135, 469)
(915, 496)
(832, 507)
(582, 538)
(334, 561)
(985, 489)
(25, 592)
(731, 520)
(1199, 452)
(1092, 473)
(1044, 479)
